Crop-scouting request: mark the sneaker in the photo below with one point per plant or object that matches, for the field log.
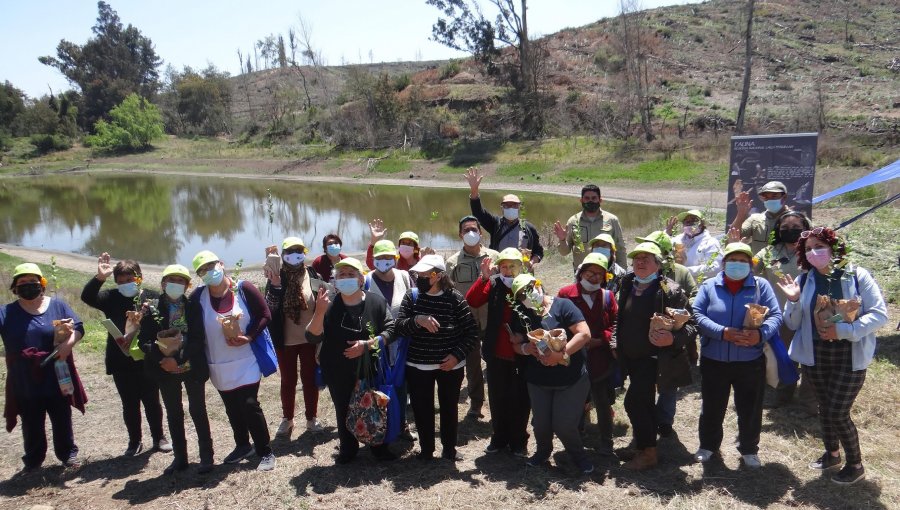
(702, 456)
(73, 462)
(133, 449)
(267, 463)
(162, 445)
(521, 453)
(492, 448)
(176, 465)
(313, 425)
(826, 461)
(585, 466)
(848, 475)
(538, 461)
(285, 429)
(751, 461)
(474, 413)
(205, 468)
(238, 454)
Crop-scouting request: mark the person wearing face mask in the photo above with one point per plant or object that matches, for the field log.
(777, 259)
(757, 227)
(133, 384)
(651, 358)
(507, 392)
(702, 251)
(731, 357)
(464, 267)
(600, 309)
(324, 263)
(407, 246)
(233, 369)
(185, 367)
(557, 381)
(506, 231)
(587, 224)
(392, 284)
(292, 301)
(605, 245)
(441, 332)
(33, 392)
(353, 322)
(835, 353)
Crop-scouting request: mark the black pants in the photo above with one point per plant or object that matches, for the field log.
(640, 401)
(603, 396)
(421, 394)
(136, 388)
(341, 390)
(170, 389)
(748, 378)
(509, 403)
(246, 418)
(34, 412)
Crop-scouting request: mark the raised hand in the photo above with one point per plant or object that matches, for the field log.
(560, 231)
(789, 287)
(743, 202)
(670, 224)
(428, 250)
(487, 267)
(104, 267)
(377, 229)
(734, 235)
(322, 300)
(273, 276)
(473, 177)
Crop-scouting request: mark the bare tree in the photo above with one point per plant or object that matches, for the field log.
(634, 42)
(748, 64)
(240, 60)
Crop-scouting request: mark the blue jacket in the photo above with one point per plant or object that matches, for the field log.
(715, 308)
(860, 333)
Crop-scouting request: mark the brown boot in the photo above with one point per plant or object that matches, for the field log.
(645, 459)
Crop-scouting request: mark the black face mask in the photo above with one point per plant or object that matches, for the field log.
(790, 236)
(590, 207)
(29, 291)
(423, 283)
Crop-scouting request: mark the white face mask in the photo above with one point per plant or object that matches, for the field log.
(384, 265)
(405, 250)
(174, 290)
(472, 238)
(293, 259)
(691, 230)
(534, 299)
(590, 287)
(511, 213)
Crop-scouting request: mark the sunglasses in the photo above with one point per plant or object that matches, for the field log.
(423, 275)
(814, 232)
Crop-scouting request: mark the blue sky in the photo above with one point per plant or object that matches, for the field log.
(195, 32)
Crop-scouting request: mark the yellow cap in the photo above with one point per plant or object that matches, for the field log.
(203, 258)
(650, 248)
(596, 259)
(606, 238)
(659, 238)
(522, 281)
(292, 241)
(176, 270)
(27, 268)
(738, 248)
(384, 247)
(350, 262)
(412, 236)
(510, 254)
(693, 212)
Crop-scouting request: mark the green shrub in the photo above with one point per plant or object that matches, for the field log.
(44, 144)
(609, 62)
(449, 70)
(133, 125)
(401, 82)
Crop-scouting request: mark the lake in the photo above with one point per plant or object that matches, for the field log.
(166, 219)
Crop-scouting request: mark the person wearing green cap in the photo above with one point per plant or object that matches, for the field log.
(702, 253)
(757, 226)
(346, 326)
(407, 246)
(291, 297)
(233, 367)
(600, 309)
(134, 386)
(605, 245)
(507, 392)
(651, 357)
(587, 224)
(464, 267)
(731, 355)
(557, 380)
(180, 366)
(34, 392)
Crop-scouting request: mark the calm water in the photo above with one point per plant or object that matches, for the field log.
(163, 219)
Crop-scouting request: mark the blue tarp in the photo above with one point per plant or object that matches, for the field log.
(887, 173)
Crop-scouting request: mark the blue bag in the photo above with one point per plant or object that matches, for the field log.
(392, 377)
(262, 346)
(320, 379)
(787, 371)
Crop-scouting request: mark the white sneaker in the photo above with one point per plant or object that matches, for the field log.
(267, 463)
(285, 429)
(313, 425)
(751, 461)
(702, 456)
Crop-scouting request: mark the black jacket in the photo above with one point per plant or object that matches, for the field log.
(498, 226)
(275, 300)
(673, 365)
(495, 305)
(192, 351)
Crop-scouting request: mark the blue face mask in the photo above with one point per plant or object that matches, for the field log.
(737, 270)
(646, 279)
(347, 286)
(384, 265)
(773, 206)
(129, 289)
(213, 277)
(333, 249)
(606, 252)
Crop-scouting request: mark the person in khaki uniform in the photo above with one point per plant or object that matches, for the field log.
(755, 228)
(589, 223)
(464, 267)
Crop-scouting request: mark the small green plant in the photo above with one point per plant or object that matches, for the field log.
(235, 275)
(376, 348)
(54, 275)
(270, 209)
(449, 70)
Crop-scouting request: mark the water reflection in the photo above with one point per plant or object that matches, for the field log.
(163, 219)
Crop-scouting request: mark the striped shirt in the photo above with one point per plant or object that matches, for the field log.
(457, 334)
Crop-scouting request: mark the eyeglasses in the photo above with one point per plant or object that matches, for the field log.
(205, 269)
(423, 275)
(814, 232)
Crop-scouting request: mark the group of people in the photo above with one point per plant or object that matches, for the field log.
(548, 358)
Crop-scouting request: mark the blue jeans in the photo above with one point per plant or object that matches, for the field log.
(665, 406)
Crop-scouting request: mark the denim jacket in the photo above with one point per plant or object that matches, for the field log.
(715, 309)
(861, 332)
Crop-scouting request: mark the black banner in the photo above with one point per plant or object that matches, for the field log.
(756, 160)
